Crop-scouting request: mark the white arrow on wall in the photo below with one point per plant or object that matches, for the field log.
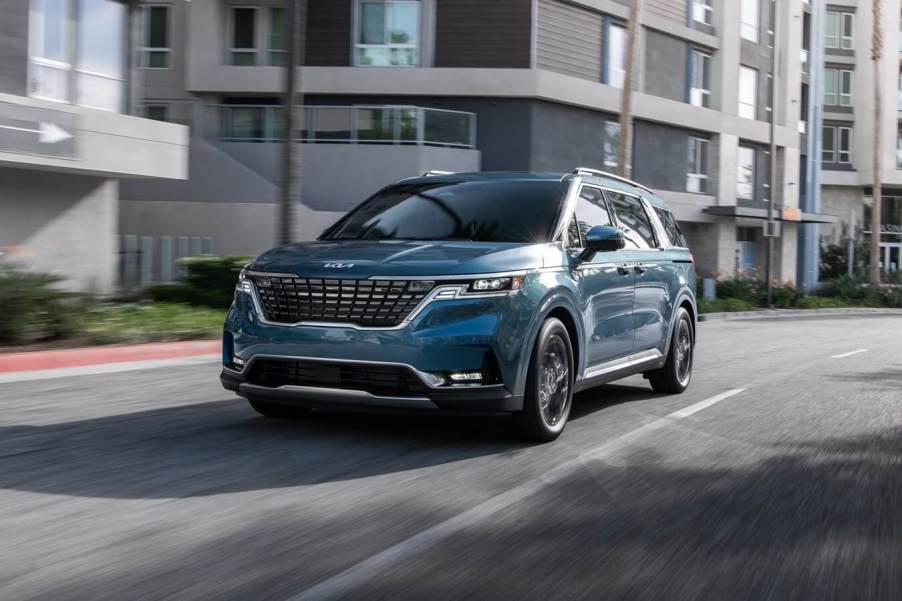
(48, 133)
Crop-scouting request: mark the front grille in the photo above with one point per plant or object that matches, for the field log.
(385, 380)
(375, 303)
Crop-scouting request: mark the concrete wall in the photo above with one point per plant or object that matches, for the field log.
(14, 47)
(660, 156)
(64, 224)
(565, 137)
(665, 66)
(569, 39)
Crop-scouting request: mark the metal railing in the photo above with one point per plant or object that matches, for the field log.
(343, 125)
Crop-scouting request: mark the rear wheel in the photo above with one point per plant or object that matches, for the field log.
(549, 385)
(277, 410)
(674, 377)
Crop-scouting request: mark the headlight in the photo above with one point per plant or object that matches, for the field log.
(496, 284)
(244, 284)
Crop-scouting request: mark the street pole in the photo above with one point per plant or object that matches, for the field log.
(771, 204)
(292, 113)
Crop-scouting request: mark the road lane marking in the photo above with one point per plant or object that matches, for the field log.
(850, 353)
(105, 368)
(357, 575)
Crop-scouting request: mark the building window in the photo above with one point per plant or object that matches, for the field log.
(838, 85)
(839, 30)
(701, 11)
(388, 33)
(157, 112)
(899, 148)
(700, 89)
(97, 78)
(278, 56)
(611, 143)
(750, 14)
(155, 48)
(697, 170)
(828, 145)
(845, 88)
(745, 173)
(844, 151)
(243, 43)
(748, 92)
(830, 92)
(615, 55)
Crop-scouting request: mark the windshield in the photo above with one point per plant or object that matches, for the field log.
(483, 211)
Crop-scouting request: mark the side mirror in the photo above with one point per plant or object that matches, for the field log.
(603, 238)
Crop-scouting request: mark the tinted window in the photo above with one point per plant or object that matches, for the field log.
(633, 220)
(591, 210)
(485, 211)
(671, 228)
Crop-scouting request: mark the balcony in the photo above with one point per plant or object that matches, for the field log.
(407, 125)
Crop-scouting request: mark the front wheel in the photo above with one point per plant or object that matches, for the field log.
(549, 385)
(674, 377)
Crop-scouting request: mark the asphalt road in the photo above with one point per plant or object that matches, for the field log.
(778, 475)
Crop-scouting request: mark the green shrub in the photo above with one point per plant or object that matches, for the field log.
(750, 290)
(724, 304)
(209, 282)
(33, 308)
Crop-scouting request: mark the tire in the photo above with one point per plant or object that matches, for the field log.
(277, 410)
(549, 385)
(674, 376)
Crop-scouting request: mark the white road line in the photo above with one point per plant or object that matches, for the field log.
(357, 575)
(105, 368)
(850, 353)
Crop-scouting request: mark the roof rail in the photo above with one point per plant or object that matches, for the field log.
(599, 173)
(433, 172)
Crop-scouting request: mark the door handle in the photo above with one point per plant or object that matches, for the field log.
(623, 270)
(639, 267)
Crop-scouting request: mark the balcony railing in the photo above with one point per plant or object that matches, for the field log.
(344, 125)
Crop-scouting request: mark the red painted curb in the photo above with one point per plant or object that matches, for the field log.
(34, 360)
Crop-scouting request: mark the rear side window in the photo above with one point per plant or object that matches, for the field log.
(671, 228)
(633, 220)
(591, 210)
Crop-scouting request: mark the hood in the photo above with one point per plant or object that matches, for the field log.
(369, 258)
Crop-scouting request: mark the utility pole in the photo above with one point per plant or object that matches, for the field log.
(292, 114)
(624, 141)
(876, 53)
(771, 228)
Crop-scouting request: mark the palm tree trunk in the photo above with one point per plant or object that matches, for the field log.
(292, 116)
(876, 53)
(624, 142)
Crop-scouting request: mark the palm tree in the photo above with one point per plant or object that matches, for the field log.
(292, 115)
(626, 118)
(876, 53)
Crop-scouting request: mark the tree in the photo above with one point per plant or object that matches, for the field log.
(624, 142)
(876, 53)
(292, 113)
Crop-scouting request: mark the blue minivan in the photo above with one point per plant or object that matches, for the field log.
(478, 293)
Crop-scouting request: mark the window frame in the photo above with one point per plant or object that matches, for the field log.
(145, 50)
(754, 103)
(832, 149)
(842, 75)
(838, 36)
(847, 38)
(356, 23)
(270, 51)
(231, 49)
(697, 80)
(754, 172)
(840, 130)
(609, 69)
(835, 87)
(698, 155)
(745, 27)
(704, 8)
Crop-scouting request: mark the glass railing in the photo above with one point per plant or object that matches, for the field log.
(344, 125)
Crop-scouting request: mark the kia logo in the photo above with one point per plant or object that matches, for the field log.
(338, 265)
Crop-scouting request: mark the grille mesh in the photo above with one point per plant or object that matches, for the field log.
(377, 379)
(374, 303)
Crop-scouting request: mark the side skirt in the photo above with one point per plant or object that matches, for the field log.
(620, 368)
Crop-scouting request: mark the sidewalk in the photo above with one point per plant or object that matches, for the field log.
(784, 313)
(41, 361)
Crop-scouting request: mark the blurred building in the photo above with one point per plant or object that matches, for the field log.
(847, 153)
(68, 87)
(396, 87)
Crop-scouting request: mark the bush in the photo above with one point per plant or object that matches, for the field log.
(209, 282)
(724, 304)
(33, 308)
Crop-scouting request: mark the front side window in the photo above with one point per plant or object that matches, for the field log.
(591, 210)
(615, 56)
(524, 211)
(750, 14)
(745, 173)
(701, 11)
(388, 33)
(243, 45)
(155, 49)
(828, 144)
(697, 171)
(700, 91)
(748, 92)
(633, 220)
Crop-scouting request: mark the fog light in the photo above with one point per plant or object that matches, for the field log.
(465, 377)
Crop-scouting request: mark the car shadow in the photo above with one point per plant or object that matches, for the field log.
(223, 446)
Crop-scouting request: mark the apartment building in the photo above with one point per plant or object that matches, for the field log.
(395, 87)
(847, 153)
(67, 84)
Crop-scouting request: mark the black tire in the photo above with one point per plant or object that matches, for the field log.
(549, 385)
(674, 376)
(277, 410)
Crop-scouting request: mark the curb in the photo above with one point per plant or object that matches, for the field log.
(785, 313)
(104, 355)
